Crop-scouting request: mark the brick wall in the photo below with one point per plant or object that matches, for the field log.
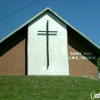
(78, 66)
(13, 55)
(13, 60)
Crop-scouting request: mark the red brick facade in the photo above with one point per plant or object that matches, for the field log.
(13, 54)
(77, 65)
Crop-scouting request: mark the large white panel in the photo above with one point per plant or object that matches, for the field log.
(37, 54)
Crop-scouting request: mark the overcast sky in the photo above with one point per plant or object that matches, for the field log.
(84, 15)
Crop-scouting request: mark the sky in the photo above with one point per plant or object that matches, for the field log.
(84, 15)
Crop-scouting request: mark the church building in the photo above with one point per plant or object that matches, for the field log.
(48, 45)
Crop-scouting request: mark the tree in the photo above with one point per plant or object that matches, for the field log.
(98, 63)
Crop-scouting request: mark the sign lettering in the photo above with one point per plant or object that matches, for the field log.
(81, 55)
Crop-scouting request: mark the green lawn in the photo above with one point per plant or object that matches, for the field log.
(47, 88)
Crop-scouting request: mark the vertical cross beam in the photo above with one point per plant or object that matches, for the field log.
(47, 45)
(47, 40)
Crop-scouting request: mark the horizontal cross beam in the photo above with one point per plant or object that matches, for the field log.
(45, 34)
(48, 31)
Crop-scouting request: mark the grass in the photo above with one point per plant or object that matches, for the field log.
(47, 88)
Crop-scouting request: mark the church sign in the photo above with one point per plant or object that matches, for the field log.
(83, 56)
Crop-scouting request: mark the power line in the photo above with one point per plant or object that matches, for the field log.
(19, 10)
